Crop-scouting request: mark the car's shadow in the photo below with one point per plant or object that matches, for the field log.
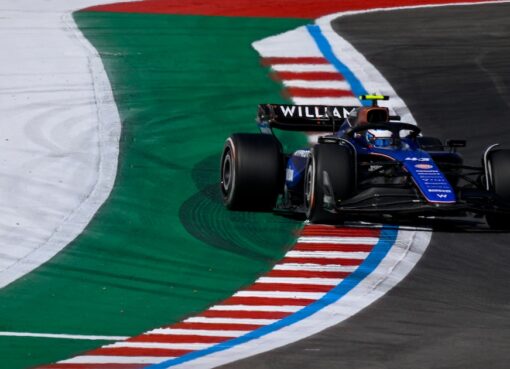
(446, 225)
(435, 224)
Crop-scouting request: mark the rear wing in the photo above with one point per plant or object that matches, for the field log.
(316, 118)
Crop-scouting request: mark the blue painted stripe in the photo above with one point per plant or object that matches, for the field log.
(386, 240)
(327, 51)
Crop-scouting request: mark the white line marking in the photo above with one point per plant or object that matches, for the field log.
(327, 254)
(281, 294)
(284, 308)
(64, 336)
(202, 319)
(316, 267)
(304, 68)
(93, 359)
(300, 280)
(339, 240)
(171, 346)
(197, 332)
(337, 85)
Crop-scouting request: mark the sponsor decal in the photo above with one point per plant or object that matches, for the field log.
(314, 111)
(417, 159)
(423, 166)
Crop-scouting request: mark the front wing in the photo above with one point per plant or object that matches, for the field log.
(408, 201)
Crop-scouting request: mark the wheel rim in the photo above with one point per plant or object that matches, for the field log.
(227, 173)
(310, 189)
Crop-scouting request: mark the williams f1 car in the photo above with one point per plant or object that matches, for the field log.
(366, 163)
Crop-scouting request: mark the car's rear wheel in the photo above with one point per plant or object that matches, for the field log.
(499, 169)
(330, 176)
(251, 172)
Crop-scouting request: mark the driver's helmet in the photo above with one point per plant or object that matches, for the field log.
(378, 137)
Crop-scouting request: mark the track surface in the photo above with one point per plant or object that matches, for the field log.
(450, 65)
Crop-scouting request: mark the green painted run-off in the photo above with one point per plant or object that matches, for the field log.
(162, 247)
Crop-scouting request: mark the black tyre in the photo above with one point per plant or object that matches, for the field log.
(332, 164)
(430, 143)
(499, 169)
(251, 172)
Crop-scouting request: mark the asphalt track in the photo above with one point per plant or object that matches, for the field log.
(450, 65)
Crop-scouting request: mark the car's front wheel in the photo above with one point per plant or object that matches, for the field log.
(330, 178)
(499, 168)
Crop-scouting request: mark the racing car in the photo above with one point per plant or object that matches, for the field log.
(365, 162)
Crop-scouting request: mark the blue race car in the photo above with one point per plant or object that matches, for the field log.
(369, 163)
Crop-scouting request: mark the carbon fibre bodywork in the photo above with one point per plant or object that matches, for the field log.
(413, 175)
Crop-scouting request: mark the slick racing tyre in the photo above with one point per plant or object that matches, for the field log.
(499, 169)
(330, 166)
(251, 172)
